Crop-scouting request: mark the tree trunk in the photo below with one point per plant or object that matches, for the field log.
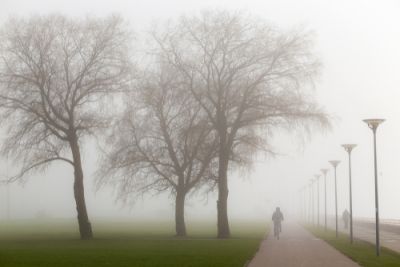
(85, 228)
(222, 202)
(180, 225)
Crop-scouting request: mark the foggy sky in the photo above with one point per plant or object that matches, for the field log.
(358, 43)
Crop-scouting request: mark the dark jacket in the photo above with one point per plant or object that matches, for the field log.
(277, 217)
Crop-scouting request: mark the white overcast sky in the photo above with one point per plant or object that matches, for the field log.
(358, 42)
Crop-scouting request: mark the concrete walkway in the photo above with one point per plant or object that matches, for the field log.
(298, 248)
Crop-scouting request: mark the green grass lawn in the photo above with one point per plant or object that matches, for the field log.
(136, 244)
(360, 251)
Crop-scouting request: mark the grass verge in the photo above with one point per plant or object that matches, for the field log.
(360, 251)
(133, 244)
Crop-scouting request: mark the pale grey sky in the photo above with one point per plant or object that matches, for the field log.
(358, 42)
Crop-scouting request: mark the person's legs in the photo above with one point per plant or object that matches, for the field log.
(277, 229)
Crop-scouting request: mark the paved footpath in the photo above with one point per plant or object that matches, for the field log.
(298, 248)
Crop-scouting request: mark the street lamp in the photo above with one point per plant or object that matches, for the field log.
(325, 171)
(349, 148)
(373, 125)
(335, 163)
(308, 185)
(317, 176)
(304, 203)
(312, 201)
(299, 206)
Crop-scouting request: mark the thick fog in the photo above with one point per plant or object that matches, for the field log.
(358, 43)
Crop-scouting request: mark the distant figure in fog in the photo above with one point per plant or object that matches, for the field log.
(277, 218)
(346, 216)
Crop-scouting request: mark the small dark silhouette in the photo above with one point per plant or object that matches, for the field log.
(277, 218)
(346, 216)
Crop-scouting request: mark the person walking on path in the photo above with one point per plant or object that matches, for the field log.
(277, 218)
(346, 216)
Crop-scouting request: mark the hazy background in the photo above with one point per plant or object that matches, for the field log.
(358, 42)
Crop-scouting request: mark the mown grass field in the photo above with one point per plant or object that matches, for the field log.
(360, 251)
(136, 244)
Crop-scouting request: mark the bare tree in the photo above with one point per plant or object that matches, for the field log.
(55, 76)
(161, 143)
(251, 79)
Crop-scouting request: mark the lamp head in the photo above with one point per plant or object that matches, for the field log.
(334, 163)
(349, 147)
(324, 171)
(373, 123)
(317, 176)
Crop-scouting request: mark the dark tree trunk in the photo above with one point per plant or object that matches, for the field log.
(222, 202)
(180, 225)
(85, 228)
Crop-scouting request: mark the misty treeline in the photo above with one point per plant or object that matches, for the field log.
(200, 98)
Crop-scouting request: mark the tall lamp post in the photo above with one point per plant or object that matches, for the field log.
(304, 192)
(309, 218)
(349, 148)
(373, 125)
(317, 176)
(299, 204)
(312, 201)
(335, 163)
(325, 171)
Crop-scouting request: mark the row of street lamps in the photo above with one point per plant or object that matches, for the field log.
(373, 125)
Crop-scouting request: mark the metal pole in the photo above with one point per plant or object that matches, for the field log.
(313, 205)
(349, 148)
(299, 206)
(336, 213)
(325, 201)
(335, 163)
(305, 203)
(309, 204)
(376, 198)
(373, 125)
(303, 210)
(325, 171)
(318, 201)
(351, 201)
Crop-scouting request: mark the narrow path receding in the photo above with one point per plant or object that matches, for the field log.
(297, 247)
